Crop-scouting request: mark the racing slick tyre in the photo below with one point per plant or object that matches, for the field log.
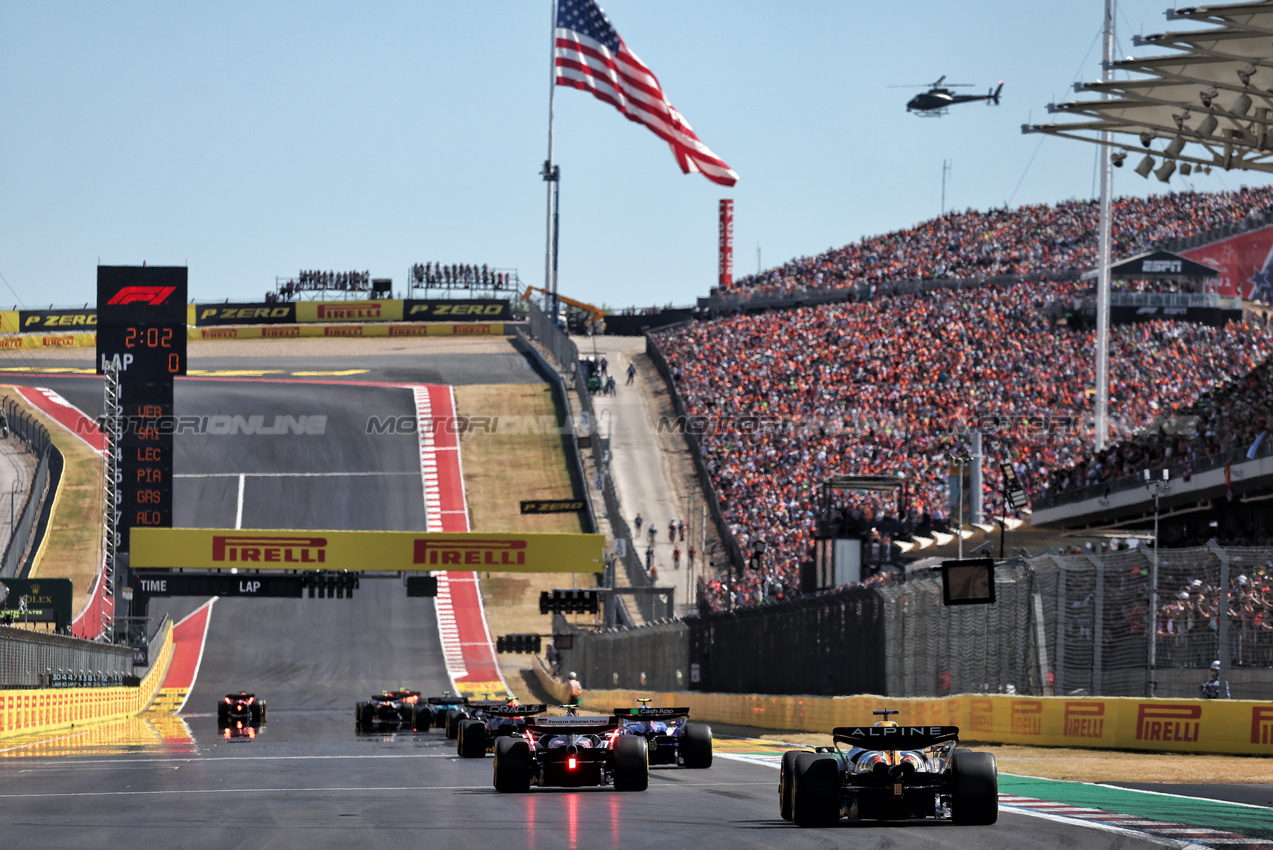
(696, 746)
(453, 719)
(257, 710)
(815, 795)
(512, 765)
(366, 716)
(223, 714)
(420, 716)
(974, 799)
(631, 764)
(472, 739)
(786, 777)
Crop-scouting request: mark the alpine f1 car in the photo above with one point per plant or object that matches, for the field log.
(669, 734)
(443, 708)
(240, 711)
(489, 724)
(400, 709)
(889, 772)
(571, 752)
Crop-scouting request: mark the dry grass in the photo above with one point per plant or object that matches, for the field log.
(1085, 765)
(72, 547)
(500, 470)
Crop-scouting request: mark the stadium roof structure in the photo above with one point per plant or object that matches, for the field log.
(1206, 103)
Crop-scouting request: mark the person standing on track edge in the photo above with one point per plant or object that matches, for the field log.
(631, 372)
(576, 689)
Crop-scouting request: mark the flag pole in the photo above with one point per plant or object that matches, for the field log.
(550, 174)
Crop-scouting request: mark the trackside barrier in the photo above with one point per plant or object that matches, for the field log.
(351, 330)
(28, 712)
(81, 340)
(1235, 727)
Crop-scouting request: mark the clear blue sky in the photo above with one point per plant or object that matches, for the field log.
(249, 140)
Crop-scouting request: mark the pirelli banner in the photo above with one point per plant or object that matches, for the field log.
(347, 330)
(390, 551)
(1239, 727)
(244, 314)
(44, 321)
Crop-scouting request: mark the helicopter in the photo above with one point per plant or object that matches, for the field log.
(938, 98)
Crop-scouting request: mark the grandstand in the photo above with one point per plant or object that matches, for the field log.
(892, 384)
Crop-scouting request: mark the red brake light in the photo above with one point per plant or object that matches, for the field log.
(570, 763)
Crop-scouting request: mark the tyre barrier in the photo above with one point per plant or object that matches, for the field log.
(30, 711)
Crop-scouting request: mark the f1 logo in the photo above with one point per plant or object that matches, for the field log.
(153, 295)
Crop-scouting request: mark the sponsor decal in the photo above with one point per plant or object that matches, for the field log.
(355, 330)
(10, 342)
(983, 711)
(552, 506)
(400, 330)
(153, 295)
(244, 314)
(1169, 266)
(1168, 722)
(363, 310)
(219, 333)
(1027, 717)
(42, 320)
(470, 329)
(58, 341)
(466, 310)
(275, 550)
(896, 731)
(280, 332)
(1262, 724)
(1084, 720)
(469, 552)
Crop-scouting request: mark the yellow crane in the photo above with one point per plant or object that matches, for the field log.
(593, 312)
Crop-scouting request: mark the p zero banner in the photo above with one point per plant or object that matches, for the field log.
(1245, 263)
(32, 321)
(226, 548)
(245, 314)
(459, 310)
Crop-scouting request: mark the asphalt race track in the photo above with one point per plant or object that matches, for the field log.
(308, 780)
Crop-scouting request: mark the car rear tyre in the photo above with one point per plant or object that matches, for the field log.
(786, 778)
(815, 796)
(453, 719)
(366, 716)
(420, 718)
(696, 746)
(472, 740)
(512, 766)
(974, 799)
(631, 764)
(257, 712)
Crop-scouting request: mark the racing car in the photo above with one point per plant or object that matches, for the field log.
(400, 709)
(454, 715)
(571, 752)
(239, 711)
(669, 734)
(445, 711)
(488, 724)
(889, 772)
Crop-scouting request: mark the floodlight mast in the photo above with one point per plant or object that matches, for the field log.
(1101, 401)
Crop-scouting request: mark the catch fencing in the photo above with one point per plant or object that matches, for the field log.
(30, 659)
(27, 523)
(1072, 625)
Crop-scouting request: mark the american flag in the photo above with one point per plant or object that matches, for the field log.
(590, 55)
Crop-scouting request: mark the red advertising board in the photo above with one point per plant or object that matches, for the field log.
(1245, 263)
(726, 276)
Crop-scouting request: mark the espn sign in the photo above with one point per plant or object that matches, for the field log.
(1161, 267)
(252, 549)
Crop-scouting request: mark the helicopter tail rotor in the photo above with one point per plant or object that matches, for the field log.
(993, 97)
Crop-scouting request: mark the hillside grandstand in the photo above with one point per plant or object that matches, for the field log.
(893, 385)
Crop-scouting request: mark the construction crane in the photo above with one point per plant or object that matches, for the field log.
(590, 310)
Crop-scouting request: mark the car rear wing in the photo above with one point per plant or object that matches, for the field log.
(514, 710)
(572, 725)
(895, 737)
(448, 700)
(647, 712)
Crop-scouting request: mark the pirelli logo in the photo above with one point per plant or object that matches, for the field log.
(10, 342)
(470, 552)
(259, 549)
(1168, 722)
(461, 330)
(1262, 724)
(983, 715)
(365, 310)
(408, 330)
(356, 330)
(219, 333)
(58, 341)
(1084, 720)
(1027, 717)
(270, 333)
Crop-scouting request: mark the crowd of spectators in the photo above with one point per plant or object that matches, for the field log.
(317, 281)
(1029, 240)
(891, 386)
(458, 274)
